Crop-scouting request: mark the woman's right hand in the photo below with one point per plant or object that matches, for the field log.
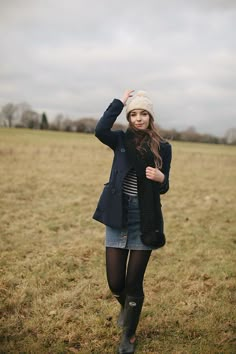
(127, 94)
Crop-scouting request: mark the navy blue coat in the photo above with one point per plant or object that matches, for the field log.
(109, 208)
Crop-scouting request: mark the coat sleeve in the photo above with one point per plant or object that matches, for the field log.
(103, 129)
(166, 162)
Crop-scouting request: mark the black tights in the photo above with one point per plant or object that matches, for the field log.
(123, 275)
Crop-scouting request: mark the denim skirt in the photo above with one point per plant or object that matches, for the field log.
(129, 236)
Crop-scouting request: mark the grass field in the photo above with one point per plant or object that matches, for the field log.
(54, 295)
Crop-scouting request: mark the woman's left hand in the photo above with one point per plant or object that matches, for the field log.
(154, 174)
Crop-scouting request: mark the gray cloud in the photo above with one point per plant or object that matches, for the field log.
(74, 57)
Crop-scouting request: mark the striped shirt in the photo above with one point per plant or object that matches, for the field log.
(130, 183)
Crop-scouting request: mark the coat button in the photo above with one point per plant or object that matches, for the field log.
(113, 190)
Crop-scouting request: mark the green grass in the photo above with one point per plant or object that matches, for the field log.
(54, 295)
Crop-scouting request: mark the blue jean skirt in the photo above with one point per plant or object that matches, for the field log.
(128, 237)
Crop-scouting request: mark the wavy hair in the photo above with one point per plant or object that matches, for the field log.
(148, 137)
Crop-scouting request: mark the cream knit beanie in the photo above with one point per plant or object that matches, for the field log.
(140, 101)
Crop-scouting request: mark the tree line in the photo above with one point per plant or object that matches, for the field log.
(23, 116)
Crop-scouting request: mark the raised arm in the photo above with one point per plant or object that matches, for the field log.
(103, 129)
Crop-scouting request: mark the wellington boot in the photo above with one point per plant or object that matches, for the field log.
(120, 318)
(121, 299)
(132, 310)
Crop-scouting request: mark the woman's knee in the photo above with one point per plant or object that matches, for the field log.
(116, 289)
(134, 289)
(116, 285)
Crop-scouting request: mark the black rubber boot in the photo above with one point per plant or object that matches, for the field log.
(121, 299)
(132, 309)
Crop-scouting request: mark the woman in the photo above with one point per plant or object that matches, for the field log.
(130, 204)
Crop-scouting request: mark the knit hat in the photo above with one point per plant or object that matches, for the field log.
(140, 101)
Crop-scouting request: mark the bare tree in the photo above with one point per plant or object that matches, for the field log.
(3, 122)
(118, 126)
(67, 125)
(190, 134)
(230, 136)
(57, 122)
(86, 125)
(170, 134)
(30, 119)
(20, 108)
(8, 111)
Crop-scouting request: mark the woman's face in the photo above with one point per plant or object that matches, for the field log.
(139, 118)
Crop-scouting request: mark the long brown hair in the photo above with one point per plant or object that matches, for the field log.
(150, 137)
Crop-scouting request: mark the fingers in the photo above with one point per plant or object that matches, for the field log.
(150, 169)
(150, 172)
(127, 95)
(154, 174)
(130, 93)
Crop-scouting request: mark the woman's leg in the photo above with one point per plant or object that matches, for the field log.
(116, 259)
(118, 281)
(137, 264)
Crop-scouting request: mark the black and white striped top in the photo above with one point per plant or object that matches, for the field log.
(130, 183)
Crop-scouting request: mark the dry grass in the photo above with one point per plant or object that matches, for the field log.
(54, 296)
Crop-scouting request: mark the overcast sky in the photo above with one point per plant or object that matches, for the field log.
(73, 57)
